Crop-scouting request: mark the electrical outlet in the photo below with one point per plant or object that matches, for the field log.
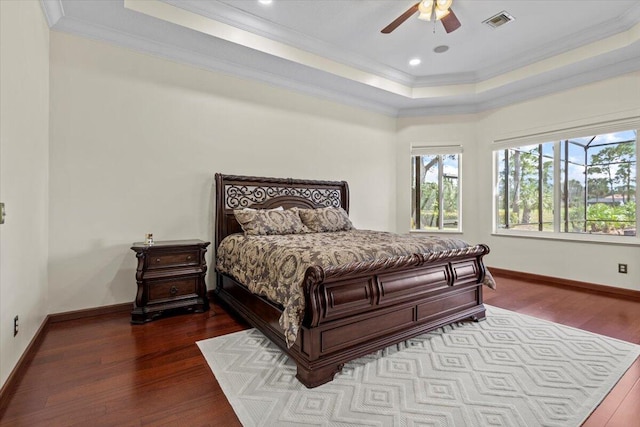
(15, 325)
(622, 268)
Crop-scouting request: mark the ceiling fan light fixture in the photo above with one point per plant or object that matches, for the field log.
(429, 8)
(444, 4)
(426, 9)
(438, 10)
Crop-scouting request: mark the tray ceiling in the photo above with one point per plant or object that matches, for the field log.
(334, 48)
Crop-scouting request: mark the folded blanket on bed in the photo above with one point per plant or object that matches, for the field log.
(274, 266)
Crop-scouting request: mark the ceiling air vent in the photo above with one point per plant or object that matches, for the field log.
(498, 20)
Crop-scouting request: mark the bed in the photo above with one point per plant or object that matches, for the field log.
(351, 306)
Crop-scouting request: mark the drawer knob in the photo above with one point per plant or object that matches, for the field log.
(173, 290)
(189, 257)
(157, 259)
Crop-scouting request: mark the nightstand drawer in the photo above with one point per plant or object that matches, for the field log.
(173, 259)
(172, 288)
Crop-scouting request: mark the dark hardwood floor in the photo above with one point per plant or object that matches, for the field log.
(104, 371)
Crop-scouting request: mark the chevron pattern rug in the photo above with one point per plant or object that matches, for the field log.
(509, 370)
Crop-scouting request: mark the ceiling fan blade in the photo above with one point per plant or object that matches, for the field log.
(450, 22)
(400, 19)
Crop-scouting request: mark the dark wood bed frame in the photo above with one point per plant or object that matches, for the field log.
(354, 309)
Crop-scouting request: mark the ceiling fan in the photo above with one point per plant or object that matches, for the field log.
(439, 10)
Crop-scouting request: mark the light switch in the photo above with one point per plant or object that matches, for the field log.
(2, 213)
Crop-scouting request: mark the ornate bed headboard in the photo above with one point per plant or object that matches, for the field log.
(237, 192)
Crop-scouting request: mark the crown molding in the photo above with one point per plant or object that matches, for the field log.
(582, 74)
(53, 11)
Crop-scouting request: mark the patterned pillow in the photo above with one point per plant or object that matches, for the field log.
(326, 219)
(270, 221)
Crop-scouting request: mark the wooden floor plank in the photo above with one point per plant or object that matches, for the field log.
(628, 410)
(104, 371)
(619, 394)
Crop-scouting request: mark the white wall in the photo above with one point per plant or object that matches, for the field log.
(136, 140)
(612, 99)
(24, 135)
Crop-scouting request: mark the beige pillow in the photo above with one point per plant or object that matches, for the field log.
(262, 222)
(326, 219)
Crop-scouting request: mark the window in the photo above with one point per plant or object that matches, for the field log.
(582, 185)
(435, 188)
(526, 188)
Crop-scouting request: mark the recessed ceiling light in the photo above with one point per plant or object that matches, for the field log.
(441, 49)
(415, 61)
(265, 1)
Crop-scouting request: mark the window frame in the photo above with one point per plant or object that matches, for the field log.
(440, 151)
(557, 137)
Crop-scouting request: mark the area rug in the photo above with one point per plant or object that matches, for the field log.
(509, 370)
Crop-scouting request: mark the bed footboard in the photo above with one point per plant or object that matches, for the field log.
(343, 291)
(360, 308)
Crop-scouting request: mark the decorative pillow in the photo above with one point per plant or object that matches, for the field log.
(326, 219)
(270, 221)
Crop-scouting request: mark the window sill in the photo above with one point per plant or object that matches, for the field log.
(577, 238)
(435, 232)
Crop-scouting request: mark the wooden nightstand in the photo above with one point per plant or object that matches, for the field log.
(170, 276)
